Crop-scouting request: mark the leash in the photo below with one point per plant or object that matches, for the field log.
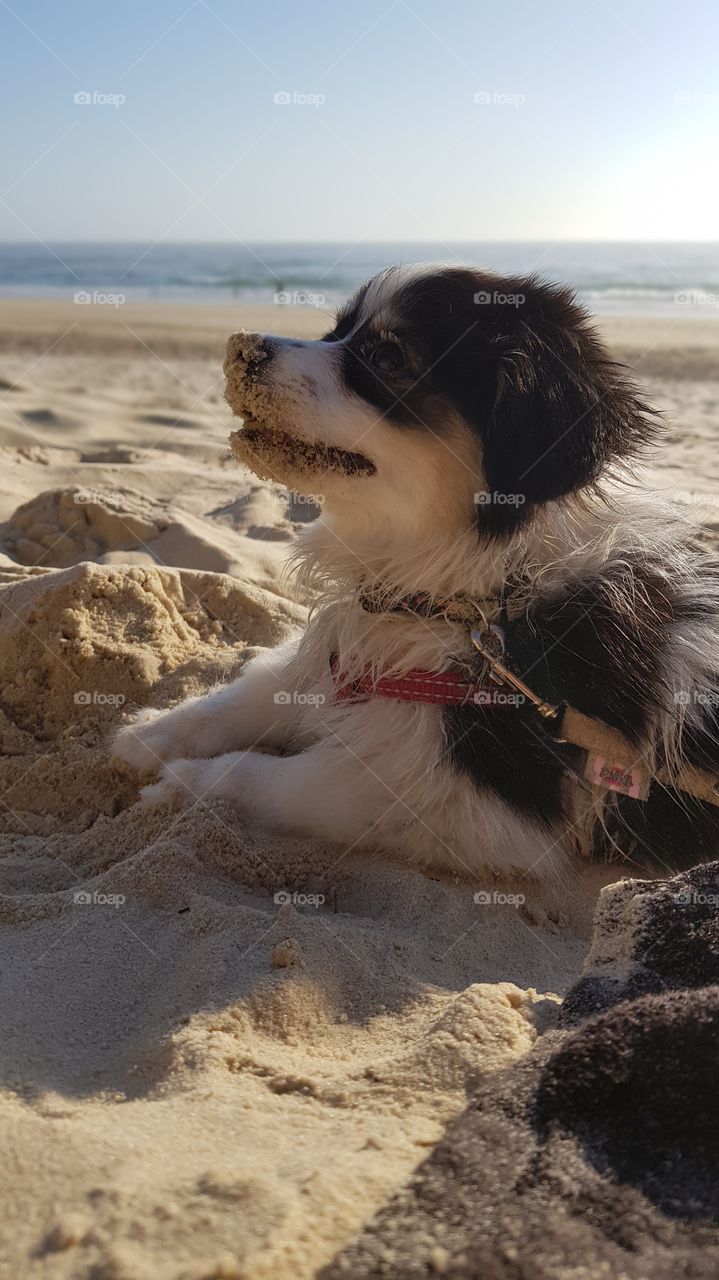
(613, 762)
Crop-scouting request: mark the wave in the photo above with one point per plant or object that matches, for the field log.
(619, 277)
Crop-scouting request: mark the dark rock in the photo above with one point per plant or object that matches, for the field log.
(597, 1155)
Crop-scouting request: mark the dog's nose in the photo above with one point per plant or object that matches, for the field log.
(245, 352)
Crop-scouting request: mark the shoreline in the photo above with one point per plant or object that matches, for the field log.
(649, 343)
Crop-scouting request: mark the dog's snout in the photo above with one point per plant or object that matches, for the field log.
(246, 352)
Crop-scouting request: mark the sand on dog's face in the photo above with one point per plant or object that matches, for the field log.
(293, 419)
(307, 427)
(273, 454)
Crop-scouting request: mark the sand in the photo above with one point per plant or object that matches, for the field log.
(223, 1052)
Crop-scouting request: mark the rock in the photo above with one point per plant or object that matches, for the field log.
(597, 1153)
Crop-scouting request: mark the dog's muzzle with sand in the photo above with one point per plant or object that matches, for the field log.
(271, 406)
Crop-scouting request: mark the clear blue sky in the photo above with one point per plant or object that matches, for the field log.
(601, 120)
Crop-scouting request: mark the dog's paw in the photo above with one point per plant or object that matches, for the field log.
(144, 743)
(190, 780)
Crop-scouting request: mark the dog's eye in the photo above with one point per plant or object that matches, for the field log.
(388, 357)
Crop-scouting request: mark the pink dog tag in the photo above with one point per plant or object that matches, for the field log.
(629, 780)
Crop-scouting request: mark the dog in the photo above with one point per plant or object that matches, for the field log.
(471, 438)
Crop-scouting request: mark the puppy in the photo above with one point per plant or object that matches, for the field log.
(467, 433)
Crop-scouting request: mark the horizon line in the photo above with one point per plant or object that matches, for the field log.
(28, 244)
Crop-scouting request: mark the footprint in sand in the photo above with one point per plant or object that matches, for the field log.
(44, 417)
(167, 420)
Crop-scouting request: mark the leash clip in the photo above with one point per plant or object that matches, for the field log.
(486, 641)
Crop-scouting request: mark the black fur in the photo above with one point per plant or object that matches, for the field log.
(520, 361)
(599, 647)
(509, 751)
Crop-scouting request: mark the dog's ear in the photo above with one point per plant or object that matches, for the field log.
(562, 409)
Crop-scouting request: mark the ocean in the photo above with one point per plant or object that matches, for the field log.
(647, 279)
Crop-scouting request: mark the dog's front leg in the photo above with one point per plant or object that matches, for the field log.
(258, 709)
(319, 792)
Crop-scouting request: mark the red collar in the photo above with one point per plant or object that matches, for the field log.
(441, 688)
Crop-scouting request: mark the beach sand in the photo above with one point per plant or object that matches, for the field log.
(222, 1051)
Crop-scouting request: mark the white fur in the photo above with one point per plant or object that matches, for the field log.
(374, 773)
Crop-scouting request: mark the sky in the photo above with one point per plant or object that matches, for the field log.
(380, 120)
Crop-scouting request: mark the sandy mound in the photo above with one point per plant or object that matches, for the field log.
(62, 527)
(222, 1050)
(70, 525)
(77, 647)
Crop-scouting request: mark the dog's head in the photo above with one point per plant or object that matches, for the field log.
(441, 394)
